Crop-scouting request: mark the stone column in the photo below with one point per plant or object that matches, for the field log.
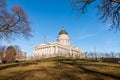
(50, 49)
(53, 50)
(43, 50)
(56, 50)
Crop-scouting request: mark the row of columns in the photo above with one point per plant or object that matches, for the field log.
(46, 50)
(50, 51)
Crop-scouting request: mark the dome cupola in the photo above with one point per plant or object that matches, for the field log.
(63, 37)
(63, 31)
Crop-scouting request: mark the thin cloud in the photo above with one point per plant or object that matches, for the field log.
(87, 36)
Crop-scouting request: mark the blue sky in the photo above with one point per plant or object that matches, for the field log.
(49, 16)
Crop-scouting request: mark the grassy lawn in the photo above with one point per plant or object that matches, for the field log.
(67, 70)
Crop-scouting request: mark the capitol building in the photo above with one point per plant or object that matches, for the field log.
(61, 47)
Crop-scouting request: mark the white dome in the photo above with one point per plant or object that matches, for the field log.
(63, 37)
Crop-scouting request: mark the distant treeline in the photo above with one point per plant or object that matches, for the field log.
(102, 55)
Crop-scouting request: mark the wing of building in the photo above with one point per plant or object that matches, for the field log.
(21, 56)
(61, 47)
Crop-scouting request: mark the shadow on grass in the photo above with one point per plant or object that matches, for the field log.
(51, 73)
(81, 66)
(87, 63)
(65, 71)
(11, 65)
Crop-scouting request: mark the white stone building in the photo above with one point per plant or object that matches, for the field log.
(61, 47)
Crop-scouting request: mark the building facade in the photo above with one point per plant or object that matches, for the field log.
(20, 55)
(61, 47)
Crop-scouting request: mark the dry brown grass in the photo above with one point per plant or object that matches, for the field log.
(67, 70)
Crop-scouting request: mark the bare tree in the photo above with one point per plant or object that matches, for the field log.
(107, 55)
(108, 10)
(81, 5)
(13, 24)
(2, 52)
(86, 54)
(10, 54)
(20, 55)
(112, 54)
(92, 54)
(118, 55)
(17, 48)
